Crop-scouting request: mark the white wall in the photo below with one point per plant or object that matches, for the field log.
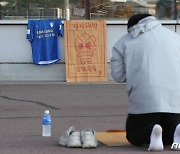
(16, 55)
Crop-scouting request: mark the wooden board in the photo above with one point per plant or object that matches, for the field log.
(85, 50)
(113, 138)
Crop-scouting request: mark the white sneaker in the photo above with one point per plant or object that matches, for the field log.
(88, 138)
(71, 138)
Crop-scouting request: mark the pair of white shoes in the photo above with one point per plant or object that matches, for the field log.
(73, 138)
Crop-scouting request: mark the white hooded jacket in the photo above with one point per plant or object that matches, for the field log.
(148, 59)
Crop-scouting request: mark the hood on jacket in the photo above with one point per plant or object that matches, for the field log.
(143, 26)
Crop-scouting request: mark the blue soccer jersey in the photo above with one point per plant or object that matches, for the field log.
(43, 36)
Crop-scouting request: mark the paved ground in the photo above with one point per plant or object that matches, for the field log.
(100, 106)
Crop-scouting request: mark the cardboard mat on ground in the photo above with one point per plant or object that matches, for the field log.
(85, 50)
(116, 138)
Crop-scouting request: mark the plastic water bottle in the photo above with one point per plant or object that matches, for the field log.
(46, 124)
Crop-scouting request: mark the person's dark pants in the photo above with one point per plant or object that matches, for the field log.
(139, 127)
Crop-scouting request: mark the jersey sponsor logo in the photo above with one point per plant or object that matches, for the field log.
(45, 31)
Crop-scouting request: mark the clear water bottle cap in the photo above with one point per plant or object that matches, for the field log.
(46, 112)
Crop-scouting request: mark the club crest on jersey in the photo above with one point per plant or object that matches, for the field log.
(51, 24)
